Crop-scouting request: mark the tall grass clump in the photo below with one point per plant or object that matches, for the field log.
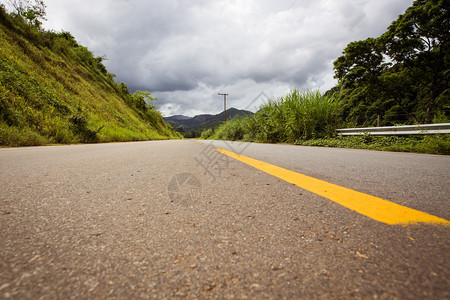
(231, 130)
(295, 116)
(308, 115)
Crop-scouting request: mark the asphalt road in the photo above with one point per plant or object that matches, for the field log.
(176, 219)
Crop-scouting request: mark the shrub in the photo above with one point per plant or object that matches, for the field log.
(206, 134)
(80, 127)
(231, 130)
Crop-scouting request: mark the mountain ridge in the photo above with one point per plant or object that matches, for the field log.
(204, 121)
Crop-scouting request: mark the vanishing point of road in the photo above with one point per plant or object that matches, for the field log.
(179, 219)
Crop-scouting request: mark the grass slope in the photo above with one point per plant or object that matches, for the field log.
(53, 90)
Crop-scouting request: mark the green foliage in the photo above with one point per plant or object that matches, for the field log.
(146, 99)
(14, 136)
(440, 117)
(232, 130)
(80, 126)
(286, 119)
(33, 11)
(432, 144)
(402, 75)
(192, 134)
(52, 90)
(207, 134)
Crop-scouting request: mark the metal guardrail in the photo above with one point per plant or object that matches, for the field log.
(441, 128)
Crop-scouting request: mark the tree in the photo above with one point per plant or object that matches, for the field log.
(362, 62)
(33, 11)
(363, 68)
(406, 68)
(145, 98)
(419, 41)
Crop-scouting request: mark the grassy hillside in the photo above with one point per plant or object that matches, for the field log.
(53, 90)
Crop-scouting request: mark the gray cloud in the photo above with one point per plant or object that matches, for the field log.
(185, 52)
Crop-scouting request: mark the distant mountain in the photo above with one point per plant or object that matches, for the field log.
(188, 123)
(205, 121)
(180, 117)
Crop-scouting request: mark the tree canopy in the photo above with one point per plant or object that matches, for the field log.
(33, 11)
(402, 75)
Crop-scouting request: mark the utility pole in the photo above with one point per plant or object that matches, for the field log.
(224, 106)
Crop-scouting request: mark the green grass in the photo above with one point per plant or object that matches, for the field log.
(53, 90)
(311, 119)
(431, 144)
(297, 115)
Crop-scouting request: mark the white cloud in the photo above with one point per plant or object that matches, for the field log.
(187, 52)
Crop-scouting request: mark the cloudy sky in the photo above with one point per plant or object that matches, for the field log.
(186, 52)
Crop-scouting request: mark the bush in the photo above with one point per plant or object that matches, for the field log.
(207, 134)
(80, 127)
(231, 130)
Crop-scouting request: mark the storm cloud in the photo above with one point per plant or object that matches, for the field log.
(185, 52)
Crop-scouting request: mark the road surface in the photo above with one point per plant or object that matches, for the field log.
(177, 219)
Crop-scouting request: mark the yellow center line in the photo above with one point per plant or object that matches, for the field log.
(370, 206)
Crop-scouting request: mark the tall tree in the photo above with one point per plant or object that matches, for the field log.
(419, 41)
(406, 68)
